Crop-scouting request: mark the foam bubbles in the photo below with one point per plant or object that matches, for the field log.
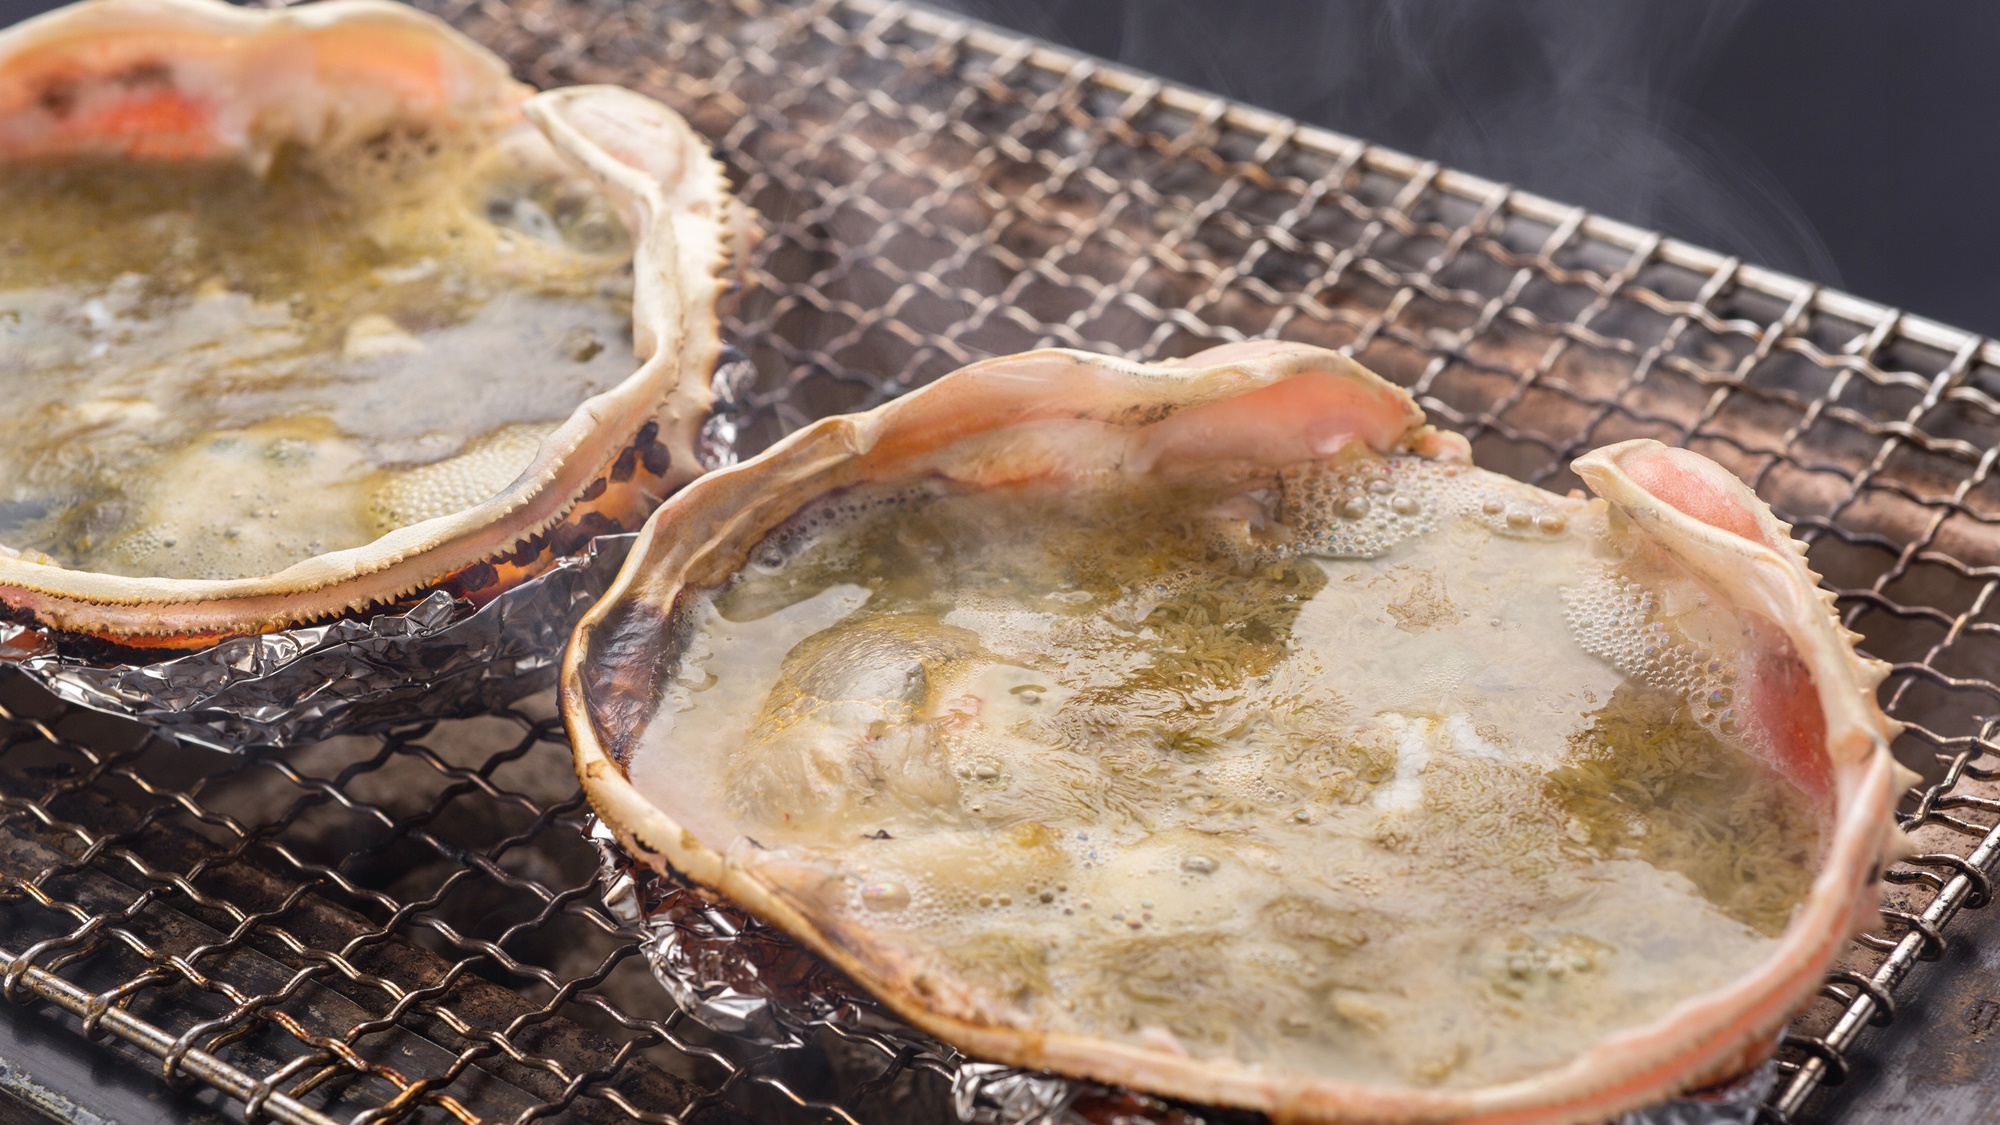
(1620, 621)
(809, 527)
(1359, 511)
(1362, 509)
(488, 464)
(885, 894)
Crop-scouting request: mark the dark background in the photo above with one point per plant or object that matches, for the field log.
(1852, 142)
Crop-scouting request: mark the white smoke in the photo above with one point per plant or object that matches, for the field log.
(1584, 101)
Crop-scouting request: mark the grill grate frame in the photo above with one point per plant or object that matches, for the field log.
(407, 926)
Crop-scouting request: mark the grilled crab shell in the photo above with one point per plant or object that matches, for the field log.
(186, 79)
(1271, 403)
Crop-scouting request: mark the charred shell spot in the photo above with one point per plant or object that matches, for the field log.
(529, 549)
(656, 458)
(475, 578)
(652, 453)
(571, 537)
(98, 650)
(58, 98)
(628, 460)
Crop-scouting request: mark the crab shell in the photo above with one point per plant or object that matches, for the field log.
(1271, 404)
(195, 79)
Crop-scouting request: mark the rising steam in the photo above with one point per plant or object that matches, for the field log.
(1582, 101)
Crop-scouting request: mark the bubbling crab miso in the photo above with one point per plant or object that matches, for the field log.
(213, 372)
(1376, 768)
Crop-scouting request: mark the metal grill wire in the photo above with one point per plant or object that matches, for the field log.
(409, 925)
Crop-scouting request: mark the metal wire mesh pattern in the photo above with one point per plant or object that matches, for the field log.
(374, 929)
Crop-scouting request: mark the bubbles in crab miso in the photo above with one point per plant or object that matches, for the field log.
(1358, 768)
(1686, 655)
(213, 373)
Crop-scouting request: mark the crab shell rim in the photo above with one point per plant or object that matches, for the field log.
(672, 195)
(1702, 1040)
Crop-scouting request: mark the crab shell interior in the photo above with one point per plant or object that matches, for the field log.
(201, 79)
(1273, 403)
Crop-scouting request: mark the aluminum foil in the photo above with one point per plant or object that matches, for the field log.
(440, 658)
(738, 976)
(437, 659)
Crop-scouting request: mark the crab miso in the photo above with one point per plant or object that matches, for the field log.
(1377, 768)
(216, 370)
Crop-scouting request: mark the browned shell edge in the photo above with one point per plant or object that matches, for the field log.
(676, 201)
(611, 671)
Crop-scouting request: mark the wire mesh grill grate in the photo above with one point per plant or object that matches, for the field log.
(371, 929)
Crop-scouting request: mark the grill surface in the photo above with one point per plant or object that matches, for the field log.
(408, 925)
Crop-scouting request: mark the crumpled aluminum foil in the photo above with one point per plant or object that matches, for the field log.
(740, 977)
(440, 658)
(437, 659)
